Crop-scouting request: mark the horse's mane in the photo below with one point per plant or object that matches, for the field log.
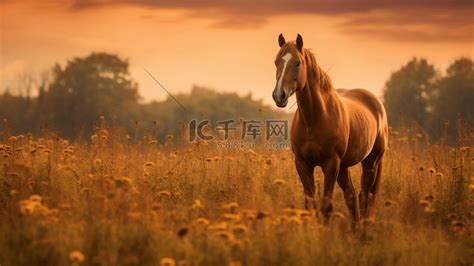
(315, 73)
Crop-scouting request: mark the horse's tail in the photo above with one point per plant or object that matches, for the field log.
(383, 124)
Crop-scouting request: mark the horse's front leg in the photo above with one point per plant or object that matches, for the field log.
(331, 171)
(305, 172)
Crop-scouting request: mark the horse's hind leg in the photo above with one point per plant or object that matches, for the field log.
(369, 182)
(375, 187)
(344, 181)
(306, 175)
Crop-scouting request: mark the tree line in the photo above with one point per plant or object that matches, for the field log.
(71, 98)
(436, 102)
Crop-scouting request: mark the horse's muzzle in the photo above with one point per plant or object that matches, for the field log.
(280, 97)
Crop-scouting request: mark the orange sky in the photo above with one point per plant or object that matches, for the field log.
(230, 45)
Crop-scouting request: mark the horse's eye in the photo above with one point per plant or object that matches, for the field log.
(298, 63)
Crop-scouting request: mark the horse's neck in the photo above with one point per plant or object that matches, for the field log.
(316, 100)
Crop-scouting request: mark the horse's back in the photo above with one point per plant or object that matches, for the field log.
(365, 98)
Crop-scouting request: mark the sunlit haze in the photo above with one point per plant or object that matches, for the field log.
(231, 47)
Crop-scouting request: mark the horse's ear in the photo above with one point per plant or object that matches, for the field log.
(299, 42)
(281, 40)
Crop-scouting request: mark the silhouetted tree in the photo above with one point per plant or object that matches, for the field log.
(99, 84)
(454, 96)
(14, 108)
(406, 93)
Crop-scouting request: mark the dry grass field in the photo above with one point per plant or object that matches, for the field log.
(118, 200)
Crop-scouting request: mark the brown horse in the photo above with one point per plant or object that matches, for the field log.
(333, 129)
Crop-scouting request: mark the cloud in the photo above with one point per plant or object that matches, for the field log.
(413, 25)
(407, 35)
(285, 6)
(239, 22)
(405, 20)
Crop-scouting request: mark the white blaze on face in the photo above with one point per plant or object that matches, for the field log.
(285, 58)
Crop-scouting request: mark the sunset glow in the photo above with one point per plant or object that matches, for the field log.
(232, 47)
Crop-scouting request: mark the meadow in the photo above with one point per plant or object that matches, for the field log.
(117, 199)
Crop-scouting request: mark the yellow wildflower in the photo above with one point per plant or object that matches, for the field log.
(231, 217)
(197, 205)
(26, 207)
(76, 256)
(232, 207)
(295, 220)
(219, 226)
(289, 211)
(428, 209)
(279, 182)
(424, 203)
(123, 182)
(35, 198)
(167, 261)
(304, 213)
(225, 235)
(202, 221)
(164, 193)
(471, 187)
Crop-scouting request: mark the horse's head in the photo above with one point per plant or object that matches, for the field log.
(291, 70)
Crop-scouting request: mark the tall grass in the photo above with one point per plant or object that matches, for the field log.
(118, 200)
